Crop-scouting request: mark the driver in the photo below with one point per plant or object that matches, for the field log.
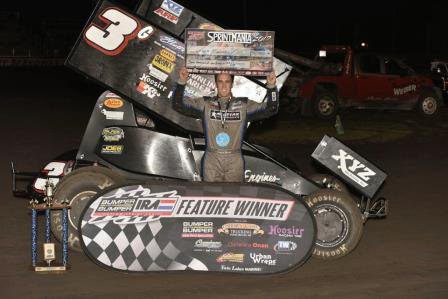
(224, 119)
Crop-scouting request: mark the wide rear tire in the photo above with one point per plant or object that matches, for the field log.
(339, 223)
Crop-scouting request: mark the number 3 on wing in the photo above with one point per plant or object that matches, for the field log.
(114, 37)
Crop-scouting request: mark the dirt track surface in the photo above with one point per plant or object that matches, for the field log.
(44, 113)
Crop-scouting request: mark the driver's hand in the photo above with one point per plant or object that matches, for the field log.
(271, 79)
(183, 74)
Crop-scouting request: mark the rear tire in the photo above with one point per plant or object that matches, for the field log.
(339, 223)
(428, 104)
(77, 188)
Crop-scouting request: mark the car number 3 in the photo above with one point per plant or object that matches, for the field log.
(114, 37)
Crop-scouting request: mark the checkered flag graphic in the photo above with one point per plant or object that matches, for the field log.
(138, 247)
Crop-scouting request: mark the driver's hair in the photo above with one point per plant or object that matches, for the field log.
(216, 77)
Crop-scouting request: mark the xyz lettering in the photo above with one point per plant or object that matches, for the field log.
(350, 171)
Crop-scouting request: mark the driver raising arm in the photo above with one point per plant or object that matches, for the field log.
(224, 119)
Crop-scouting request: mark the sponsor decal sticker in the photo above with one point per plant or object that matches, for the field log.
(147, 90)
(153, 82)
(168, 55)
(172, 7)
(146, 203)
(231, 257)
(166, 15)
(112, 149)
(157, 73)
(197, 229)
(238, 268)
(285, 247)
(113, 103)
(259, 258)
(289, 231)
(260, 178)
(172, 43)
(207, 244)
(247, 245)
(163, 64)
(112, 134)
(357, 172)
(137, 203)
(115, 115)
(111, 95)
(240, 229)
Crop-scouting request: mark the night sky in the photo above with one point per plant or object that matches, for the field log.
(398, 27)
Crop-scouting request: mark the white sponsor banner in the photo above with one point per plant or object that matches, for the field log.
(140, 202)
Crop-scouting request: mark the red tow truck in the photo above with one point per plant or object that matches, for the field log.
(340, 78)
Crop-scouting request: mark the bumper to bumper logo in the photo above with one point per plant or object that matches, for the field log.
(222, 139)
(197, 229)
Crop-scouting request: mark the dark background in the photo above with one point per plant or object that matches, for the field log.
(415, 31)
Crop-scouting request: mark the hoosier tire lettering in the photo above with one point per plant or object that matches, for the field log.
(339, 223)
(321, 198)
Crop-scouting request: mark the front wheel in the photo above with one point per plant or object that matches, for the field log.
(428, 103)
(339, 223)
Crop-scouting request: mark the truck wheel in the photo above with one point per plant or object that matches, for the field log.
(77, 188)
(325, 104)
(328, 181)
(428, 103)
(339, 223)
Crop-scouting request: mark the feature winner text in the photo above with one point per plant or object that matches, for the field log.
(140, 202)
(247, 208)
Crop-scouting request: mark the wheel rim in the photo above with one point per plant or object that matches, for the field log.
(332, 225)
(326, 106)
(77, 205)
(429, 105)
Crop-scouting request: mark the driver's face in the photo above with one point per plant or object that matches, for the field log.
(224, 84)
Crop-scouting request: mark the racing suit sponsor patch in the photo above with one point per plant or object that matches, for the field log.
(229, 116)
(222, 139)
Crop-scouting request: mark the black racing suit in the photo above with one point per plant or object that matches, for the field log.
(224, 121)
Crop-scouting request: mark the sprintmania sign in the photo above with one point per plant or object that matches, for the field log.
(139, 201)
